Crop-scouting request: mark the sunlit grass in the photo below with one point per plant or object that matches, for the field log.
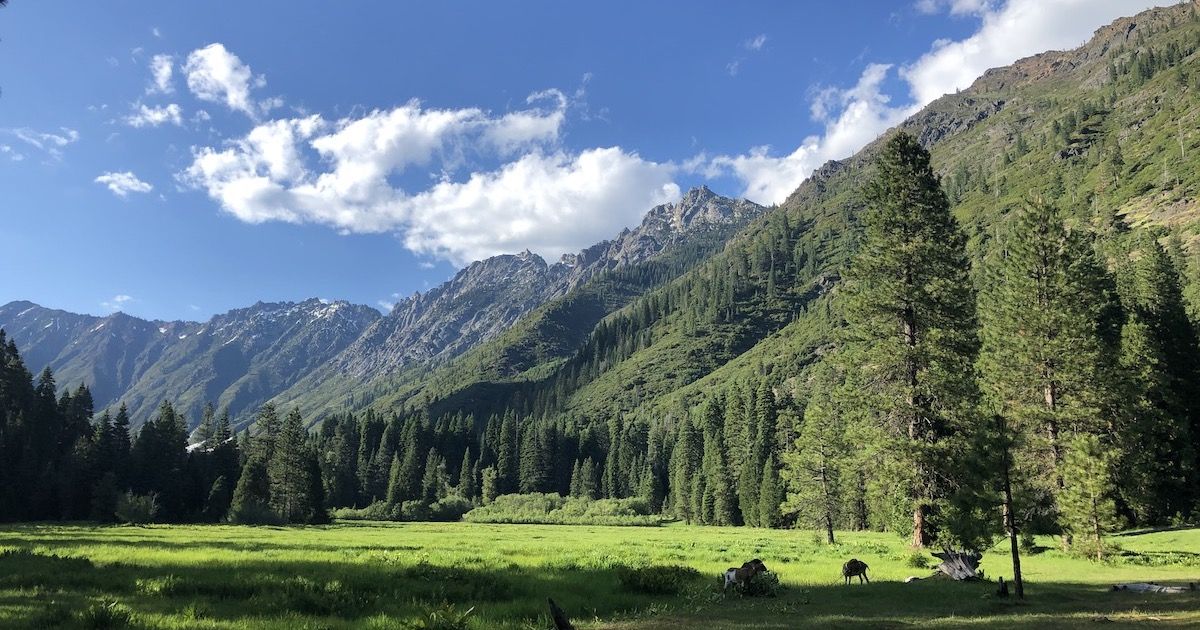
(384, 574)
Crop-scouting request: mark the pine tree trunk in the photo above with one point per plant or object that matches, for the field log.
(828, 506)
(919, 538)
(1010, 520)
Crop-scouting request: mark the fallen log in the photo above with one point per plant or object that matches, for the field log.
(1151, 587)
(960, 565)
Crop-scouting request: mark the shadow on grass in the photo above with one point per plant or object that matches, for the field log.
(40, 590)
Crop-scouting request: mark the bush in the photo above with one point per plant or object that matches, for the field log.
(761, 585)
(917, 560)
(106, 614)
(443, 617)
(656, 579)
(377, 511)
(253, 514)
(555, 509)
(137, 509)
(450, 508)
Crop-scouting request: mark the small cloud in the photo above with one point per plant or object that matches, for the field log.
(51, 143)
(162, 67)
(112, 61)
(155, 32)
(216, 75)
(144, 116)
(425, 264)
(755, 43)
(12, 153)
(193, 307)
(386, 305)
(956, 7)
(732, 67)
(116, 302)
(121, 184)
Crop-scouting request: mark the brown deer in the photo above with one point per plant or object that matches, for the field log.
(855, 567)
(743, 575)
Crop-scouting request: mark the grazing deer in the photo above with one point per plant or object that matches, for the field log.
(855, 567)
(743, 575)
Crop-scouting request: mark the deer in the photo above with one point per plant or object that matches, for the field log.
(742, 576)
(855, 567)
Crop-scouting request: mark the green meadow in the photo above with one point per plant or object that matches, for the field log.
(426, 575)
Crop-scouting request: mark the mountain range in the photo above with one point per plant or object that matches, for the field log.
(705, 292)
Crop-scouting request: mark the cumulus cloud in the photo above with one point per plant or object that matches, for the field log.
(123, 183)
(552, 204)
(49, 142)
(343, 174)
(162, 67)
(116, 302)
(855, 116)
(216, 75)
(145, 116)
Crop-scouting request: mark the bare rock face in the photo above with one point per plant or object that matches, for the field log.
(488, 296)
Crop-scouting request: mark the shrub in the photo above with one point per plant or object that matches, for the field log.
(137, 509)
(377, 511)
(554, 509)
(450, 508)
(106, 614)
(443, 617)
(917, 560)
(656, 579)
(761, 585)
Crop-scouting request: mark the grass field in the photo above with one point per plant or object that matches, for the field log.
(388, 575)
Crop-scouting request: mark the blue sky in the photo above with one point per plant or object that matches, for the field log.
(175, 160)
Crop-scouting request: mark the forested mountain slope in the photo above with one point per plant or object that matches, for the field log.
(1104, 131)
(236, 360)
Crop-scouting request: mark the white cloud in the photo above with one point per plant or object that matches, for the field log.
(50, 143)
(116, 302)
(752, 45)
(755, 43)
(214, 74)
(162, 67)
(342, 174)
(144, 116)
(552, 204)
(123, 183)
(155, 32)
(12, 153)
(956, 7)
(855, 116)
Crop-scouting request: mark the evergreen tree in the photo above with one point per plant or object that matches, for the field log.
(490, 485)
(685, 463)
(507, 471)
(287, 470)
(813, 468)
(771, 496)
(466, 476)
(395, 487)
(1086, 503)
(720, 500)
(216, 506)
(251, 502)
(1046, 360)
(435, 482)
(910, 315)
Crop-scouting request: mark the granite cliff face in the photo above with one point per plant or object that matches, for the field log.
(488, 296)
